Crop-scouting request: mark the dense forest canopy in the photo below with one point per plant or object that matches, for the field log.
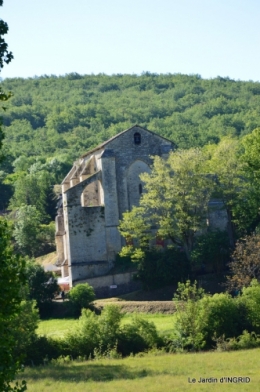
(52, 116)
(62, 117)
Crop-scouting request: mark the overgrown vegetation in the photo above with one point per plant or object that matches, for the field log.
(206, 318)
(201, 322)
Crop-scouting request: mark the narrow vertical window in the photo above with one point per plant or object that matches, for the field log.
(137, 138)
(140, 189)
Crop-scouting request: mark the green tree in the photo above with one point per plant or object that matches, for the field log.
(26, 229)
(42, 286)
(211, 251)
(175, 202)
(34, 183)
(188, 328)
(33, 238)
(219, 315)
(12, 279)
(251, 299)
(24, 326)
(5, 57)
(250, 157)
(31, 190)
(232, 186)
(81, 296)
(12, 273)
(251, 154)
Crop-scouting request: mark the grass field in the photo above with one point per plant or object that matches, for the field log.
(59, 327)
(55, 327)
(150, 373)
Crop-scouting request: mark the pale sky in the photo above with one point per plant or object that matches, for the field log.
(207, 37)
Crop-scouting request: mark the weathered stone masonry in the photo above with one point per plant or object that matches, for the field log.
(102, 185)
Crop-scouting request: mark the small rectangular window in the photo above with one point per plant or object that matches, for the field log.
(137, 138)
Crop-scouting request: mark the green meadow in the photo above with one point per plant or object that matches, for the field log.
(149, 373)
(59, 327)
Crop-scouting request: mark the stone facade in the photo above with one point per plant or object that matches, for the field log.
(102, 185)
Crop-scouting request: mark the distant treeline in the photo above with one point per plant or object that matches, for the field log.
(53, 116)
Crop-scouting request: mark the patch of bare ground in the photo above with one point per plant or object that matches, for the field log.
(166, 307)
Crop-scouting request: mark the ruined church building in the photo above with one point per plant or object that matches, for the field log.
(100, 187)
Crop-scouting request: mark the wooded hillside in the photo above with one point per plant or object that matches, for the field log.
(65, 116)
(50, 121)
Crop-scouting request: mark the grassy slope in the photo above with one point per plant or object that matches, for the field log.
(59, 327)
(168, 372)
(47, 259)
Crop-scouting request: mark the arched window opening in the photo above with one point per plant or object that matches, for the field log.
(137, 138)
(135, 187)
(92, 195)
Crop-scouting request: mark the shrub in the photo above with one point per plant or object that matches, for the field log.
(138, 336)
(80, 297)
(188, 327)
(99, 336)
(109, 325)
(251, 301)
(204, 318)
(245, 341)
(42, 349)
(221, 315)
(146, 330)
(84, 337)
(95, 332)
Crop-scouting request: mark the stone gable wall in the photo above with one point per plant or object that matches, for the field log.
(126, 152)
(92, 240)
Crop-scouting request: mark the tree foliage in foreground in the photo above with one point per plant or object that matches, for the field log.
(42, 286)
(12, 273)
(5, 57)
(12, 279)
